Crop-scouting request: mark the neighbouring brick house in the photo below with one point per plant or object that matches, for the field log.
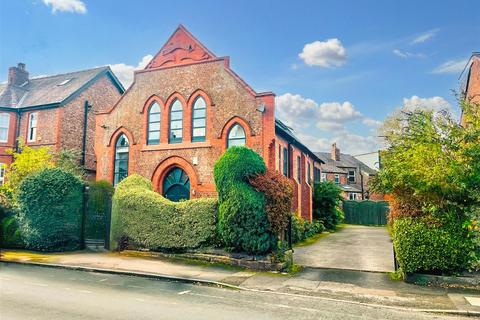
(182, 112)
(51, 110)
(471, 81)
(349, 173)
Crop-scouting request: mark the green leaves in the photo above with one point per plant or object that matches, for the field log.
(326, 198)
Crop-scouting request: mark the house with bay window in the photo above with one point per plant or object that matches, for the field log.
(182, 111)
(56, 111)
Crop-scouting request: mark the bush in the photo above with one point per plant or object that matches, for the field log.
(326, 199)
(243, 223)
(151, 221)
(278, 191)
(428, 244)
(10, 236)
(50, 210)
(303, 229)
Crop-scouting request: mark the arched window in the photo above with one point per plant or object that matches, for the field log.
(199, 120)
(236, 136)
(154, 119)
(176, 122)
(176, 185)
(120, 170)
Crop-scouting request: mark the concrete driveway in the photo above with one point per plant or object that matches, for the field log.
(351, 248)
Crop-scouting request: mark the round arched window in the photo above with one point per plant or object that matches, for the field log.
(236, 136)
(120, 170)
(176, 185)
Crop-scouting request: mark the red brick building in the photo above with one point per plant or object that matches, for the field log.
(182, 112)
(471, 82)
(56, 111)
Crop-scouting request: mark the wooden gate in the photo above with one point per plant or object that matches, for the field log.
(366, 212)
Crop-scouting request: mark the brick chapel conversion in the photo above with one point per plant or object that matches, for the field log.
(182, 112)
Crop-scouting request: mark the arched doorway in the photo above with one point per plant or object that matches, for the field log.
(176, 185)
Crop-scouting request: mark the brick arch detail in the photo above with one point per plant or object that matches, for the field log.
(111, 146)
(189, 112)
(164, 167)
(117, 133)
(230, 123)
(166, 117)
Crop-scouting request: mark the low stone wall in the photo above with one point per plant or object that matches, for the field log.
(470, 280)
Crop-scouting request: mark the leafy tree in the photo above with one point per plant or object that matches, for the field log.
(326, 199)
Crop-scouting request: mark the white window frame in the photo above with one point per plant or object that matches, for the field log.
(352, 196)
(32, 130)
(336, 178)
(7, 115)
(3, 169)
(323, 177)
(354, 176)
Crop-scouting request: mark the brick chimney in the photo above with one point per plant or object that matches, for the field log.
(335, 152)
(17, 75)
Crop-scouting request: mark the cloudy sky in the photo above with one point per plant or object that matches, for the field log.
(338, 67)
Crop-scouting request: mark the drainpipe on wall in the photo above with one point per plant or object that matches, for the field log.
(361, 182)
(84, 138)
(17, 134)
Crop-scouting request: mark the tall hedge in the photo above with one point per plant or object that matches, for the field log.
(51, 210)
(326, 200)
(243, 223)
(428, 244)
(151, 221)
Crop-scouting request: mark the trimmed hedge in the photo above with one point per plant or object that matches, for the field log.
(51, 210)
(303, 229)
(326, 200)
(428, 244)
(151, 221)
(243, 224)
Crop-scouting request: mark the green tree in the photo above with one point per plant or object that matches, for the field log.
(326, 200)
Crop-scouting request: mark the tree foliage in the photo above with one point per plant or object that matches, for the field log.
(242, 221)
(326, 200)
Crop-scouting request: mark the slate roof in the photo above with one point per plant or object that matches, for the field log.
(287, 133)
(51, 89)
(346, 161)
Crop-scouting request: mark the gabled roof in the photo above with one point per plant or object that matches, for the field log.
(346, 161)
(181, 48)
(287, 133)
(52, 90)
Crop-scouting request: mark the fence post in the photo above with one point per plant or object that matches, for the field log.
(84, 216)
(108, 220)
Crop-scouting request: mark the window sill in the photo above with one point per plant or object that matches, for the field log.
(176, 146)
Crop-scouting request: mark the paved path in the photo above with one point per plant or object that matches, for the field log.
(352, 248)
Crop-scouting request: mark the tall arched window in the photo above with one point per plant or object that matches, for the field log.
(120, 170)
(176, 122)
(154, 119)
(199, 120)
(236, 136)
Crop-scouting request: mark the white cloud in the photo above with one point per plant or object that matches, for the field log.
(433, 103)
(406, 54)
(347, 143)
(451, 66)
(424, 36)
(330, 53)
(124, 72)
(74, 6)
(371, 122)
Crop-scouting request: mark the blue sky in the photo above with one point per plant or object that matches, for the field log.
(337, 67)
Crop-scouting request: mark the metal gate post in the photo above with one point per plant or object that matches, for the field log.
(108, 221)
(84, 216)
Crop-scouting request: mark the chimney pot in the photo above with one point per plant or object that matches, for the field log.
(335, 152)
(17, 75)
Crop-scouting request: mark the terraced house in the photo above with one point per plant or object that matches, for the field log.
(56, 111)
(182, 112)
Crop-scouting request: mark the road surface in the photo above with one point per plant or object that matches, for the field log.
(28, 292)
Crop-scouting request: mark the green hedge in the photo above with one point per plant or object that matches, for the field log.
(243, 224)
(326, 200)
(303, 229)
(151, 221)
(430, 245)
(10, 236)
(51, 210)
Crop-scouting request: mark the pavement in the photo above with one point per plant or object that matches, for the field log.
(369, 289)
(31, 292)
(352, 247)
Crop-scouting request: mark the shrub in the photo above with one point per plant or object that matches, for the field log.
(243, 223)
(278, 191)
(151, 221)
(303, 229)
(50, 210)
(10, 236)
(428, 244)
(326, 199)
